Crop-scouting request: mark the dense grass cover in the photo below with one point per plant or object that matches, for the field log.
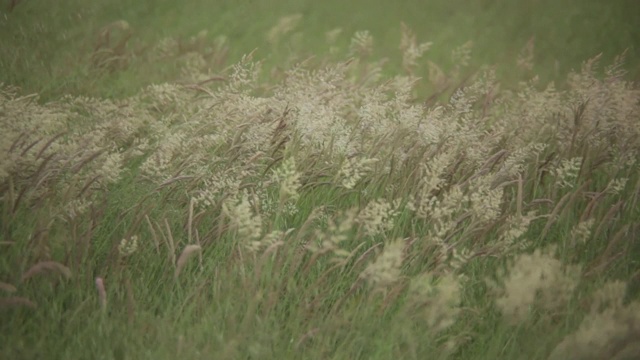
(47, 49)
(327, 207)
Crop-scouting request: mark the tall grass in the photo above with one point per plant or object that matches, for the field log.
(323, 209)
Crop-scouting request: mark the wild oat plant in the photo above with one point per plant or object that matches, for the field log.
(326, 211)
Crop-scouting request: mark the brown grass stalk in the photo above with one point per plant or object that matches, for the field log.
(170, 242)
(635, 194)
(16, 143)
(559, 206)
(606, 256)
(48, 144)
(365, 254)
(6, 287)
(18, 199)
(486, 167)
(77, 167)
(190, 220)
(592, 204)
(313, 260)
(186, 254)
(30, 146)
(48, 174)
(199, 252)
(578, 116)
(102, 293)
(46, 266)
(338, 304)
(519, 199)
(131, 303)
(9, 199)
(16, 301)
(174, 180)
(608, 216)
(392, 296)
(599, 267)
(307, 336)
(87, 185)
(154, 236)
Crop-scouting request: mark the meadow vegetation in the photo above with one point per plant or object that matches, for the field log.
(328, 207)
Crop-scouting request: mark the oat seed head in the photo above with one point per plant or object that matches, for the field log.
(289, 180)
(377, 217)
(240, 213)
(567, 172)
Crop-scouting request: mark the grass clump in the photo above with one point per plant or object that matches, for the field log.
(323, 210)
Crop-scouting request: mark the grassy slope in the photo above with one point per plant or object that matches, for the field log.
(45, 50)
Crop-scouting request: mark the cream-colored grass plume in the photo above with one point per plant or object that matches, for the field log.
(128, 246)
(536, 279)
(385, 270)
(611, 330)
(289, 180)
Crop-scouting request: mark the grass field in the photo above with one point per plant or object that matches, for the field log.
(320, 180)
(46, 49)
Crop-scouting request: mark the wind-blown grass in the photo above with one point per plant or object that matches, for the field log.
(323, 210)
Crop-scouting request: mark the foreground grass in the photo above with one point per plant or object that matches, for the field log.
(320, 210)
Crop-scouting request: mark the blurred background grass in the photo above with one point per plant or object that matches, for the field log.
(46, 47)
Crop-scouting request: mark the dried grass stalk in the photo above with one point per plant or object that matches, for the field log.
(102, 293)
(16, 301)
(188, 251)
(7, 287)
(47, 266)
(154, 236)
